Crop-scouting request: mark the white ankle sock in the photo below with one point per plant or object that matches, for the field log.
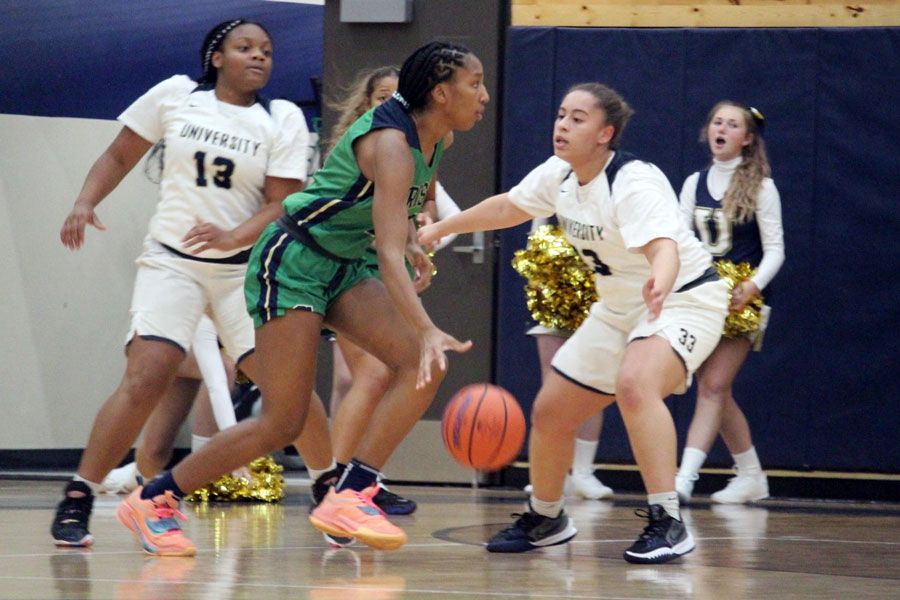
(547, 509)
(669, 502)
(748, 462)
(691, 461)
(583, 461)
(314, 474)
(95, 487)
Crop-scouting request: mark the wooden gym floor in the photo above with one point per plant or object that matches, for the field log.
(774, 549)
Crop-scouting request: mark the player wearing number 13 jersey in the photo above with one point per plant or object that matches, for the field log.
(217, 155)
(229, 159)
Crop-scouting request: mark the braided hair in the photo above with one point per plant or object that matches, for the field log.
(153, 166)
(428, 66)
(213, 42)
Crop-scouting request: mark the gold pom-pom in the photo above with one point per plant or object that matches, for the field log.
(745, 321)
(265, 485)
(560, 288)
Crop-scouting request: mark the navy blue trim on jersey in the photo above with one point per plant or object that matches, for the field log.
(237, 363)
(302, 236)
(313, 208)
(618, 161)
(156, 338)
(746, 242)
(391, 115)
(266, 311)
(612, 169)
(579, 384)
(263, 101)
(709, 275)
(240, 258)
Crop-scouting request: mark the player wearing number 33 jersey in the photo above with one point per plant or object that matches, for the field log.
(608, 220)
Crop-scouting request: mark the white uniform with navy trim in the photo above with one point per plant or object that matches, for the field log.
(608, 227)
(217, 157)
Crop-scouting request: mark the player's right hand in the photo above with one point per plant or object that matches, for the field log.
(428, 234)
(72, 232)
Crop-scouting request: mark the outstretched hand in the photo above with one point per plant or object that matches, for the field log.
(423, 219)
(653, 298)
(72, 232)
(435, 343)
(428, 235)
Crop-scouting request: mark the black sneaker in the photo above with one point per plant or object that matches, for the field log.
(664, 538)
(70, 526)
(531, 531)
(321, 485)
(319, 489)
(391, 503)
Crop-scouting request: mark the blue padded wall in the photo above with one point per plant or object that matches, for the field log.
(92, 58)
(822, 394)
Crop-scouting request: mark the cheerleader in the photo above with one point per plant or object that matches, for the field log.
(735, 210)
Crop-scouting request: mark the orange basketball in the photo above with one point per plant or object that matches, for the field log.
(483, 427)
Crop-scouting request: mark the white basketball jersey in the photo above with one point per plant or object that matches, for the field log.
(217, 155)
(609, 226)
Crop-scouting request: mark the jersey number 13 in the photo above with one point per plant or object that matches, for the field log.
(222, 171)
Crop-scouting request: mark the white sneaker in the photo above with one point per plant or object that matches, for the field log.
(684, 485)
(743, 488)
(585, 485)
(122, 480)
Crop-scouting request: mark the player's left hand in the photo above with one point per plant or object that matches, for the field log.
(742, 294)
(207, 236)
(653, 298)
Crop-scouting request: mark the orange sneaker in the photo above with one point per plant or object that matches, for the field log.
(153, 522)
(353, 514)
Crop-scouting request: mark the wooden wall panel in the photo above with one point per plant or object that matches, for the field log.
(705, 13)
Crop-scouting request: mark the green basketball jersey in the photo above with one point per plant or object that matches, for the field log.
(335, 211)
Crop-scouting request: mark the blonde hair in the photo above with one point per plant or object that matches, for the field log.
(356, 101)
(739, 203)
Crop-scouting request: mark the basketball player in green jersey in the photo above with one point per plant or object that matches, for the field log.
(306, 271)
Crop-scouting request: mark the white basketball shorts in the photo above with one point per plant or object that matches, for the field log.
(171, 293)
(691, 321)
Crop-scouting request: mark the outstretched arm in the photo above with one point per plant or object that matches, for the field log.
(496, 212)
(113, 165)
